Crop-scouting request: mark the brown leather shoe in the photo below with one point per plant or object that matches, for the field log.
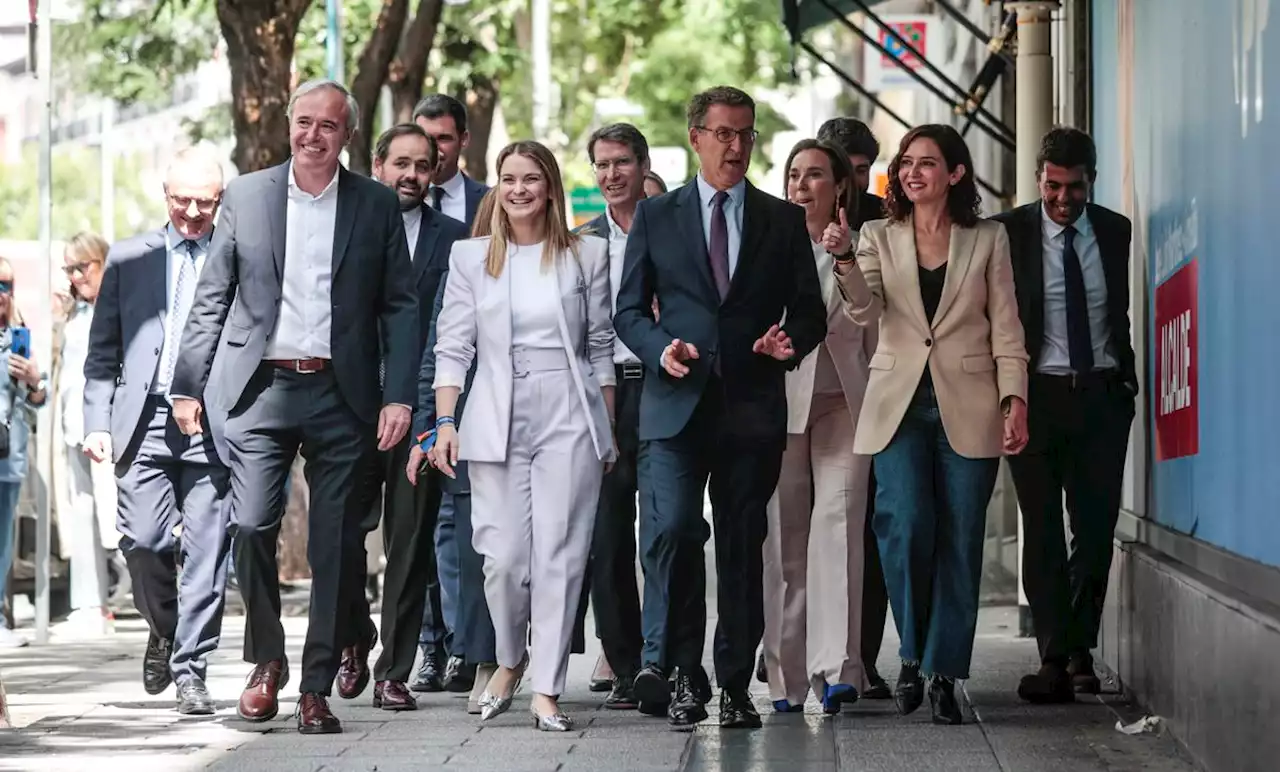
(314, 716)
(393, 695)
(353, 672)
(259, 700)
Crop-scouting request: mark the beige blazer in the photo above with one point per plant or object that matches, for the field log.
(475, 323)
(850, 345)
(974, 348)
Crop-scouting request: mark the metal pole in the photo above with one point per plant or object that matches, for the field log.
(107, 159)
(333, 41)
(44, 444)
(1034, 96)
(541, 69)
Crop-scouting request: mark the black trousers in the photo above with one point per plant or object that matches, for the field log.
(408, 513)
(875, 597)
(281, 413)
(1079, 439)
(738, 464)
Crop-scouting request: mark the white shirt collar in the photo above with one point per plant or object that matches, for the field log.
(1053, 230)
(172, 239)
(615, 230)
(706, 192)
(329, 189)
(453, 187)
(412, 215)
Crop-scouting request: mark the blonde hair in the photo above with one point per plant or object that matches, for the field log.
(88, 247)
(483, 224)
(558, 238)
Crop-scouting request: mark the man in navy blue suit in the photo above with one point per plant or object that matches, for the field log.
(727, 263)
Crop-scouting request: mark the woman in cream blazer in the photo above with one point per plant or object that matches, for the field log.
(813, 554)
(531, 305)
(947, 396)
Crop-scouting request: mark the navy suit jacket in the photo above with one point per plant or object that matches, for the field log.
(425, 416)
(473, 192)
(775, 276)
(125, 340)
(436, 235)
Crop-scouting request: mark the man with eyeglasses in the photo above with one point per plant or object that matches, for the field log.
(164, 478)
(726, 263)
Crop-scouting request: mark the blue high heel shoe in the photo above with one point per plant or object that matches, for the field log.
(835, 695)
(784, 706)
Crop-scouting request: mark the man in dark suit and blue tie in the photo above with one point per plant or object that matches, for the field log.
(306, 291)
(727, 264)
(456, 195)
(164, 478)
(404, 158)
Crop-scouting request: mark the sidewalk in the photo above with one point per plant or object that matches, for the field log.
(80, 706)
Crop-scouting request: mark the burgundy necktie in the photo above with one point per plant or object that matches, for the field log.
(719, 247)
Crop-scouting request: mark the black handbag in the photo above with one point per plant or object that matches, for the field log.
(7, 425)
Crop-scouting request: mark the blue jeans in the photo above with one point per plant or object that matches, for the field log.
(931, 513)
(8, 509)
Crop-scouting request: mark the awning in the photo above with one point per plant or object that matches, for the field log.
(814, 13)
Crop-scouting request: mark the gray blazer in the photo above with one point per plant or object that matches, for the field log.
(125, 339)
(475, 326)
(237, 303)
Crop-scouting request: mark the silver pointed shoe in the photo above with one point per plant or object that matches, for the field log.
(558, 722)
(492, 706)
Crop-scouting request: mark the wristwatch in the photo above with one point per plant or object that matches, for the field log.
(41, 385)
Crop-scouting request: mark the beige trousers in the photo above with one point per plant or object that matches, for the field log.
(813, 558)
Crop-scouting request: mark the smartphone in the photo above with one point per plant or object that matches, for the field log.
(20, 342)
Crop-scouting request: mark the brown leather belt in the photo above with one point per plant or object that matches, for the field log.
(312, 365)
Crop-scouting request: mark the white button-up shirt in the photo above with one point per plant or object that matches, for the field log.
(617, 250)
(733, 207)
(306, 307)
(412, 225)
(1055, 354)
(454, 202)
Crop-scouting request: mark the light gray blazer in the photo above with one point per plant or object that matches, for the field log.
(475, 323)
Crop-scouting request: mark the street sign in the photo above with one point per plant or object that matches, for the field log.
(587, 204)
(925, 33)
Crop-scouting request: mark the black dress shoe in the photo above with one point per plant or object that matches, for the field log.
(909, 695)
(685, 709)
(762, 672)
(156, 675)
(193, 698)
(459, 677)
(701, 684)
(651, 687)
(737, 711)
(1050, 685)
(430, 675)
(598, 682)
(878, 690)
(1084, 678)
(621, 697)
(942, 696)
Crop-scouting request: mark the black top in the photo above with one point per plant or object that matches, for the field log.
(931, 282)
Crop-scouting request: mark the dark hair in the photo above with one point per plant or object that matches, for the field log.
(720, 95)
(440, 106)
(841, 170)
(1067, 147)
(623, 134)
(654, 176)
(963, 201)
(850, 135)
(383, 146)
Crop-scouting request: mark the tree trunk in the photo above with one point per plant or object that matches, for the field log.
(409, 69)
(481, 100)
(371, 73)
(260, 37)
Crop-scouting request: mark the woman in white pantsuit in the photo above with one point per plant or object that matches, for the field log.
(531, 305)
(813, 553)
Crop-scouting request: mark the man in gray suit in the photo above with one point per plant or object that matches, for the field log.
(164, 478)
(308, 285)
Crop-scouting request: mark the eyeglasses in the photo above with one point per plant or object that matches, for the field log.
(621, 164)
(726, 135)
(74, 268)
(6, 287)
(204, 205)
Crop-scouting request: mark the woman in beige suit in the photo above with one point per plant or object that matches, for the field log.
(531, 305)
(813, 554)
(947, 396)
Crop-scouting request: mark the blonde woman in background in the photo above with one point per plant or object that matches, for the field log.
(87, 491)
(531, 306)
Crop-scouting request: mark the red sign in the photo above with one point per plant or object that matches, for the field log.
(1177, 407)
(915, 33)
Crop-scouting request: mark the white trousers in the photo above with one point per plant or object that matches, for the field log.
(87, 525)
(533, 517)
(813, 558)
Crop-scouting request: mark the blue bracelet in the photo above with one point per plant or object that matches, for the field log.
(445, 420)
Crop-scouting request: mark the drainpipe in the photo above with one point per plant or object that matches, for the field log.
(1034, 97)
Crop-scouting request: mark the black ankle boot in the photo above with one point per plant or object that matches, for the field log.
(942, 695)
(909, 693)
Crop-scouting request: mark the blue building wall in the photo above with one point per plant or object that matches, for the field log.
(1206, 177)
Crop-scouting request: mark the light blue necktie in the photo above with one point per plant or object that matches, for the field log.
(184, 293)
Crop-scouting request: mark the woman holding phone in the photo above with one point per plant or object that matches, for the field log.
(530, 305)
(21, 393)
